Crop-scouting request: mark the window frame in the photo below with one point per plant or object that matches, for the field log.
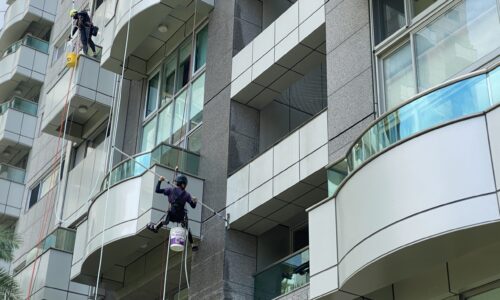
(193, 76)
(407, 34)
(146, 116)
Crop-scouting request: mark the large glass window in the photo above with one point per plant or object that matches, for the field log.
(194, 141)
(389, 17)
(165, 124)
(183, 72)
(455, 40)
(196, 103)
(399, 79)
(201, 49)
(179, 128)
(168, 81)
(148, 136)
(43, 188)
(175, 97)
(439, 50)
(152, 98)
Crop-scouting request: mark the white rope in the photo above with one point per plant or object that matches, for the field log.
(115, 112)
(158, 175)
(166, 270)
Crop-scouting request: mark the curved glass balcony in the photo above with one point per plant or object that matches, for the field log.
(283, 276)
(20, 104)
(165, 155)
(438, 106)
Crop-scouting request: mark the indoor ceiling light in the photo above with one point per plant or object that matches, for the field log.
(83, 109)
(162, 28)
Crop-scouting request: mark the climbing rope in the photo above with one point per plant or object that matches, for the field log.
(51, 202)
(115, 114)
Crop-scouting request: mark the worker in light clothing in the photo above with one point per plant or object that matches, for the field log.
(82, 22)
(177, 198)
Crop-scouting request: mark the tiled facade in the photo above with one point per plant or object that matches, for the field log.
(351, 147)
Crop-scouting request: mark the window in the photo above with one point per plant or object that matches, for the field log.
(194, 141)
(439, 50)
(201, 49)
(43, 188)
(389, 17)
(165, 124)
(392, 15)
(34, 195)
(455, 40)
(173, 106)
(168, 81)
(196, 103)
(179, 117)
(59, 51)
(148, 135)
(399, 79)
(419, 6)
(184, 63)
(97, 3)
(152, 98)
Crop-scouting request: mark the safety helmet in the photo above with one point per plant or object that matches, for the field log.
(73, 12)
(181, 179)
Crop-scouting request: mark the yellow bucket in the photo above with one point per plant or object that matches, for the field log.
(71, 59)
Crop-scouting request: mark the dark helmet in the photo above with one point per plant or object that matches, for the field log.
(181, 180)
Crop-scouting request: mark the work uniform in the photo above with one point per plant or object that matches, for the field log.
(177, 198)
(84, 25)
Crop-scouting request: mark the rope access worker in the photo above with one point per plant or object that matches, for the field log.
(82, 22)
(177, 198)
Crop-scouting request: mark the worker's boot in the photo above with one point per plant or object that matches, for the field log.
(194, 247)
(153, 227)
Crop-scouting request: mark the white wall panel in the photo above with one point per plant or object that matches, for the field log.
(322, 237)
(417, 228)
(493, 119)
(324, 282)
(237, 185)
(415, 179)
(286, 153)
(287, 22)
(261, 169)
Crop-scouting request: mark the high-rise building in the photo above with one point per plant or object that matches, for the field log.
(350, 148)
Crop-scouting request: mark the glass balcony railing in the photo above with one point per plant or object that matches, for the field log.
(283, 277)
(12, 173)
(20, 104)
(164, 155)
(446, 103)
(30, 41)
(61, 239)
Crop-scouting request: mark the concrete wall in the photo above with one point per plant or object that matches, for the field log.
(224, 265)
(349, 73)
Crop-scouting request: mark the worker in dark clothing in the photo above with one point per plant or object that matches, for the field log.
(82, 22)
(177, 198)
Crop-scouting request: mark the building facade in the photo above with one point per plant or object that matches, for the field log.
(351, 148)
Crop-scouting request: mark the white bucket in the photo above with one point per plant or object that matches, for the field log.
(177, 239)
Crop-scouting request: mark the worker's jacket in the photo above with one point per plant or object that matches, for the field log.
(177, 198)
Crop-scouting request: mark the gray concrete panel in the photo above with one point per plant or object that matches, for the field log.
(353, 102)
(344, 21)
